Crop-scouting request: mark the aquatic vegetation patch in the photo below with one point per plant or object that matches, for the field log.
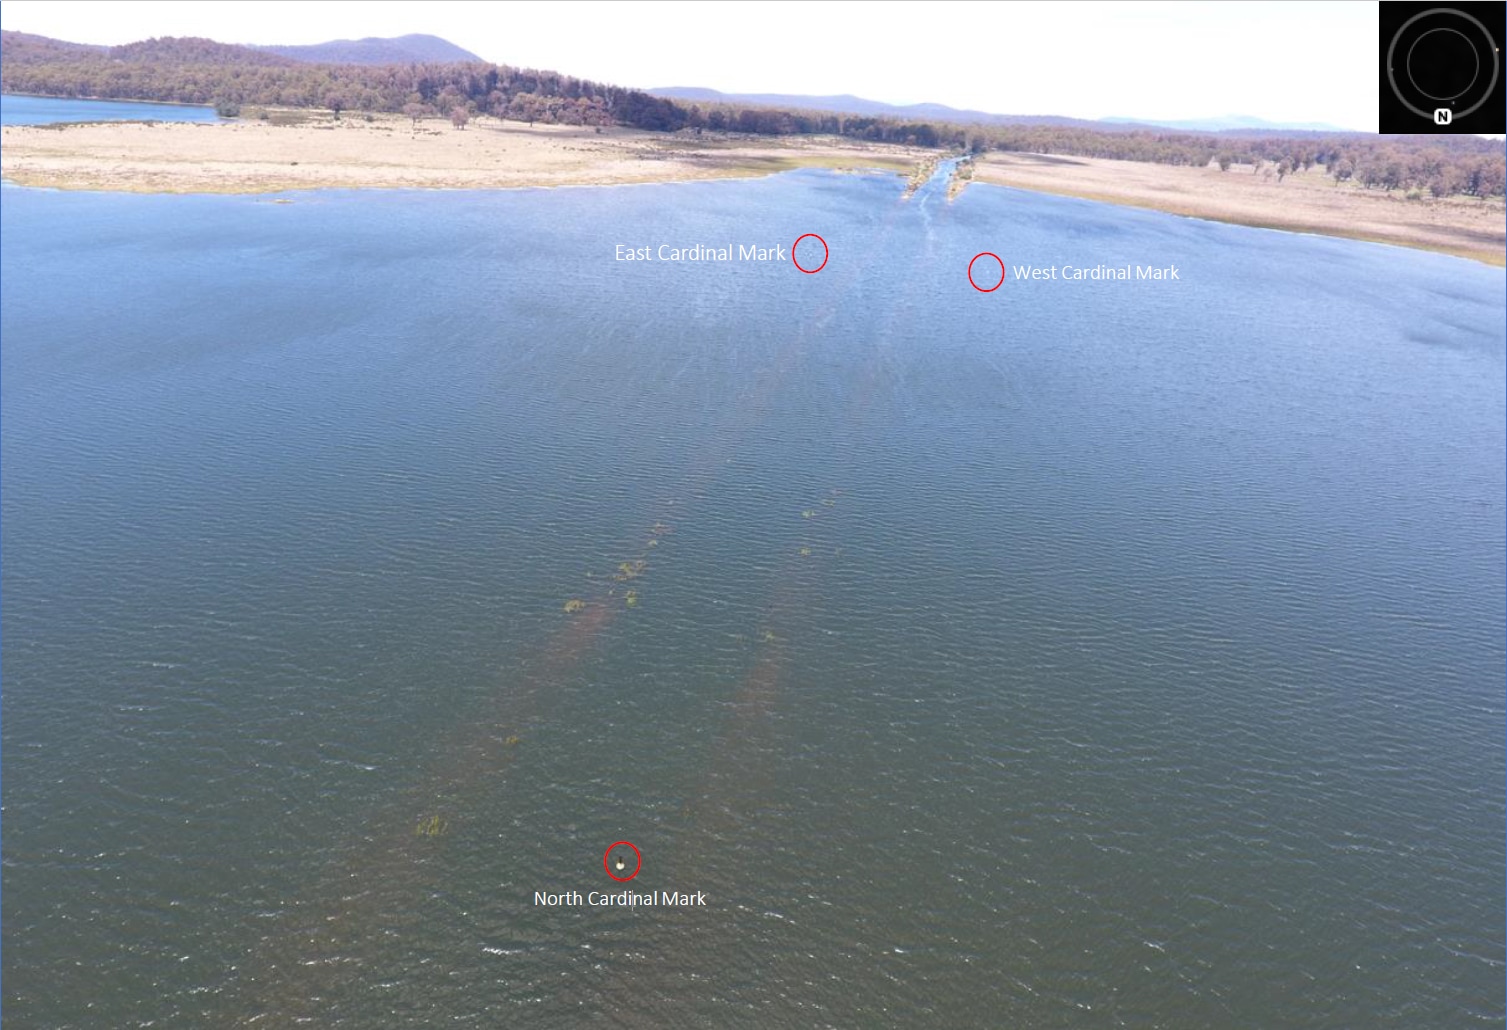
(919, 176)
(431, 826)
(962, 175)
(574, 605)
(630, 570)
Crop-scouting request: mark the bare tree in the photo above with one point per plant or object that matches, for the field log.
(459, 116)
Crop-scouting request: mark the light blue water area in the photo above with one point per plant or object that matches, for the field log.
(1077, 654)
(16, 109)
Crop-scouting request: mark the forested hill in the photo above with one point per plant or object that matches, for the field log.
(201, 71)
(374, 50)
(848, 104)
(416, 48)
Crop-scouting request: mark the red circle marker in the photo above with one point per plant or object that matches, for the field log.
(608, 854)
(825, 253)
(997, 285)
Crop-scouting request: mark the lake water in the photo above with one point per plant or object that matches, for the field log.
(16, 109)
(1078, 654)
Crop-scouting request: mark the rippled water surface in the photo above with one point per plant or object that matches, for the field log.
(1072, 655)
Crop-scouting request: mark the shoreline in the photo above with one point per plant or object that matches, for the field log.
(111, 100)
(252, 157)
(1309, 203)
(390, 152)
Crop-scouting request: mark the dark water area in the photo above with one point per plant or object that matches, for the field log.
(19, 109)
(1077, 654)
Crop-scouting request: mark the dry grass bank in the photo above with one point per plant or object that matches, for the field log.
(1305, 202)
(251, 156)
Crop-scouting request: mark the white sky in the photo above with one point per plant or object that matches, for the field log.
(1282, 61)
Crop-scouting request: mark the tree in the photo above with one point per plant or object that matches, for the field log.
(459, 116)
(1342, 170)
(1225, 160)
(416, 111)
(1284, 169)
(336, 103)
(524, 107)
(1493, 180)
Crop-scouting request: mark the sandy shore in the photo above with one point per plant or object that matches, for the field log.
(257, 157)
(1306, 202)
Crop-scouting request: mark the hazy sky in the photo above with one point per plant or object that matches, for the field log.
(1288, 62)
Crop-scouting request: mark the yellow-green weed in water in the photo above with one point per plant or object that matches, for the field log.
(431, 826)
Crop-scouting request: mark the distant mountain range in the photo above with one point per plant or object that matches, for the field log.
(849, 104)
(1231, 123)
(416, 48)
